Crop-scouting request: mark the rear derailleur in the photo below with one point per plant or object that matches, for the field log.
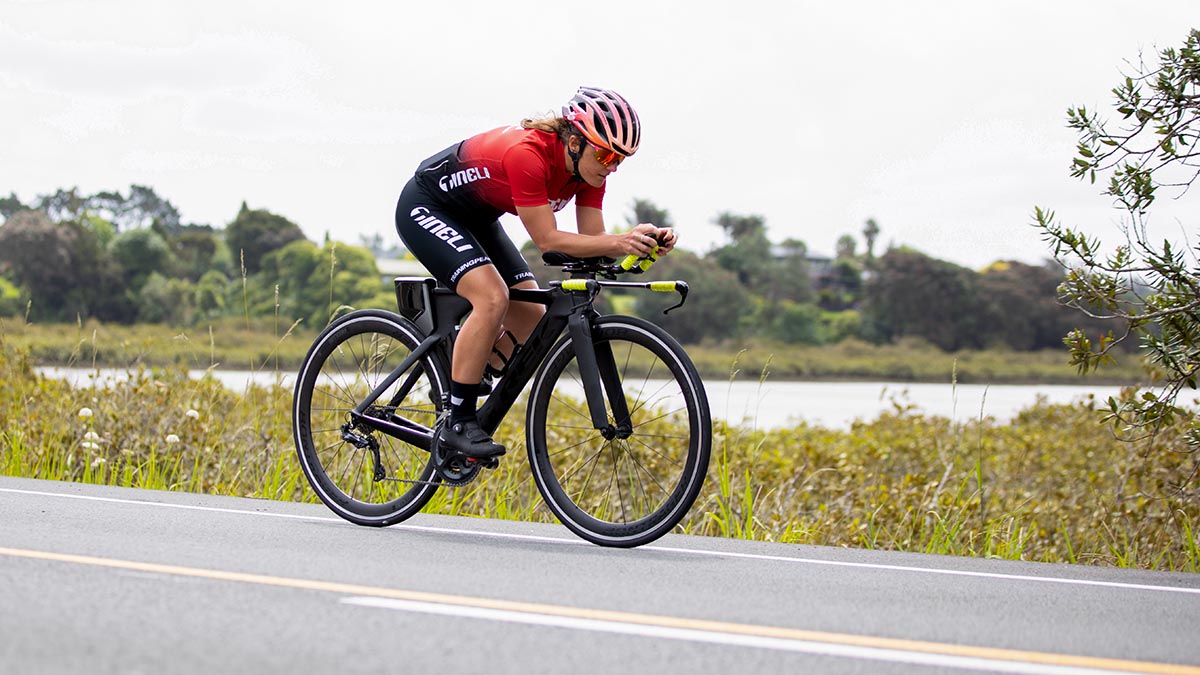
(365, 443)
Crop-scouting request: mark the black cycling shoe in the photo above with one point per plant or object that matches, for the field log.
(467, 438)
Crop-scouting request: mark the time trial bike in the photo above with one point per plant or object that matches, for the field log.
(617, 431)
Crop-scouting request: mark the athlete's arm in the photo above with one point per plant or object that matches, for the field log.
(591, 221)
(543, 229)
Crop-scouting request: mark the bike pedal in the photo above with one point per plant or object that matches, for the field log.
(485, 462)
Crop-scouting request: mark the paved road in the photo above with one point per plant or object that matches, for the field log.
(109, 580)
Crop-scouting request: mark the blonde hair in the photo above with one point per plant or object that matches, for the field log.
(550, 123)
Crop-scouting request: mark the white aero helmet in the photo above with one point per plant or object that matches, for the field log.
(605, 119)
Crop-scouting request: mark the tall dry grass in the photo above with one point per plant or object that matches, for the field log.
(1051, 485)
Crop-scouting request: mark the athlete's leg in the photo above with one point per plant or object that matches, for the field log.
(521, 317)
(520, 320)
(488, 295)
(451, 253)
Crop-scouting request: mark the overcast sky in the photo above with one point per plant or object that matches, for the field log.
(944, 121)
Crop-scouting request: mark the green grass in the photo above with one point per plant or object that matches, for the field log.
(228, 344)
(243, 344)
(1051, 485)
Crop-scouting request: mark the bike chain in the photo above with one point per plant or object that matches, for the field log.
(442, 483)
(469, 476)
(369, 442)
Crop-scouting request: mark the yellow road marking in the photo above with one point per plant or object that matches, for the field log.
(895, 644)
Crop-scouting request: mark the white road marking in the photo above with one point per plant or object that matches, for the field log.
(729, 639)
(633, 623)
(661, 549)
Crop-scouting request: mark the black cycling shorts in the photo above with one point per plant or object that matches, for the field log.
(449, 244)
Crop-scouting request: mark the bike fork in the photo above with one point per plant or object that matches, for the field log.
(598, 370)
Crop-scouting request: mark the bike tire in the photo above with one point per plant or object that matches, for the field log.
(621, 492)
(347, 360)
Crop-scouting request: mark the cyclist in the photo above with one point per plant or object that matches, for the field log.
(447, 217)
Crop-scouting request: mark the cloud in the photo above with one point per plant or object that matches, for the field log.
(100, 68)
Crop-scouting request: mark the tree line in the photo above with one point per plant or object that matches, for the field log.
(127, 257)
(752, 288)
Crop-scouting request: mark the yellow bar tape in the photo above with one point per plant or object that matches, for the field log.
(662, 286)
(574, 285)
(630, 261)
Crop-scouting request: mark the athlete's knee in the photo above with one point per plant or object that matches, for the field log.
(494, 300)
(486, 292)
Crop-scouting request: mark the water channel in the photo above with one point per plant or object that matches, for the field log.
(773, 403)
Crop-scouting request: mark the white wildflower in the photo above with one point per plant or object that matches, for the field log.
(88, 445)
(172, 439)
(98, 462)
(192, 414)
(85, 412)
(91, 436)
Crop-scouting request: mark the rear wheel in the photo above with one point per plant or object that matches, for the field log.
(365, 476)
(634, 487)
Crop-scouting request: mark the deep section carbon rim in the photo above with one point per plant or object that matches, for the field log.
(622, 491)
(365, 476)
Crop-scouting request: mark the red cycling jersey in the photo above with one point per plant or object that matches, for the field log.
(502, 169)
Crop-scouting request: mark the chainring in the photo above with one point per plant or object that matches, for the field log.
(453, 469)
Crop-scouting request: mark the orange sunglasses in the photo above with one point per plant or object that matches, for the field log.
(607, 157)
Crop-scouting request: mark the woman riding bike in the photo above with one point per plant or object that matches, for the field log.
(447, 217)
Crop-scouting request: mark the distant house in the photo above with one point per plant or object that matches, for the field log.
(390, 268)
(820, 267)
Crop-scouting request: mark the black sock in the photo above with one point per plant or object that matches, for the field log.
(462, 401)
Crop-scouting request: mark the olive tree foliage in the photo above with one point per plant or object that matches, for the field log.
(40, 255)
(141, 253)
(1152, 148)
(10, 205)
(776, 273)
(142, 208)
(11, 301)
(256, 232)
(62, 267)
(302, 281)
(646, 211)
(748, 250)
(915, 295)
(870, 234)
(716, 304)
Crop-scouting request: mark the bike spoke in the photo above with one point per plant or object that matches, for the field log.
(569, 426)
(646, 471)
(342, 384)
(589, 439)
(656, 451)
(570, 407)
(616, 479)
(646, 379)
(674, 437)
(579, 464)
(655, 419)
(638, 405)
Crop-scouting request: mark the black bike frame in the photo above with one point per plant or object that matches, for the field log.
(569, 310)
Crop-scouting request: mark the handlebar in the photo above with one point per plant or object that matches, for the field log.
(643, 263)
(584, 271)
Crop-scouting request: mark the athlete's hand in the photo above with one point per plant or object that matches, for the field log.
(639, 241)
(666, 240)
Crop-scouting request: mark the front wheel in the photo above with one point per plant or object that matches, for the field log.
(633, 488)
(365, 476)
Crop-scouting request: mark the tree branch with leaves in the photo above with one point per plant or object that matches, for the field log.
(1154, 287)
